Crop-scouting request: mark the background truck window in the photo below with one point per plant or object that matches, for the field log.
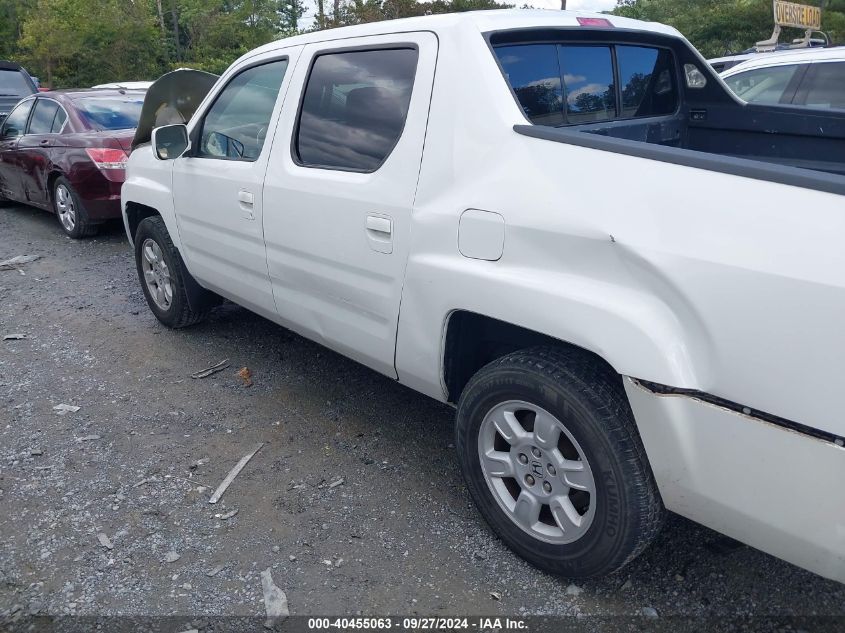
(827, 89)
(354, 108)
(762, 85)
(235, 126)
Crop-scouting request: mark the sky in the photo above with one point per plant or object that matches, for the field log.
(584, 5)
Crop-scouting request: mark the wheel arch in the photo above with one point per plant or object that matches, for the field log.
(472, 340)
(135, 213)
(52, 177)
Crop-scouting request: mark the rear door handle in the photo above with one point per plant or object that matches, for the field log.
(380, 233)
(379, 224)
(246, 200)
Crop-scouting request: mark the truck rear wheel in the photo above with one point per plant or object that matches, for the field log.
(550, 452)
(163, 275)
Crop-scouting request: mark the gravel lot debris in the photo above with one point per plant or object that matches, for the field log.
(401, 533)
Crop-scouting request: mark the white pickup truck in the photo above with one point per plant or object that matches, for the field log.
(629, 283)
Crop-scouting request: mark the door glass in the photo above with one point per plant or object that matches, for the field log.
(828, 86)
(15, 123)
(236, 125)
(43, 116)
(647, 79)
(588, 83)
(533, 72)
(354, 108)
(763, 85)
(59, 120)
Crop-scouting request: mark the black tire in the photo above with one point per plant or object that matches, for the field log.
(179, 313)
(590, 401)
(71, 213)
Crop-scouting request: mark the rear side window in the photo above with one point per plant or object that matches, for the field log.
(59, 120)
(558, 84)
(354, 108)
(236, 125)
(762, 85)
(827, 87)
(43, 116)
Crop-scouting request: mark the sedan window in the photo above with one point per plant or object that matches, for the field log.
(59, 120)
(43, 116)
(762, 85)
(111, 113)
(15, 123)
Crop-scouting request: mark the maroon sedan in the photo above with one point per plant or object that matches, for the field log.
(65, 151)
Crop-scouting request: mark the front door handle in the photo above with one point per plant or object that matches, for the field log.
(246, 200)
(380, 233)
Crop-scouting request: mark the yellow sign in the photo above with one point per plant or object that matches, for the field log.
(799, 16)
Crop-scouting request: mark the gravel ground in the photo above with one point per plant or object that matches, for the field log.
(139, 460)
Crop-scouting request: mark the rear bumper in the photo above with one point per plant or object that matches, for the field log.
(775, 489)
(100, 196)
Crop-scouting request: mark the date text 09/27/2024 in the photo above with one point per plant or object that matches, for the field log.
(418, 623)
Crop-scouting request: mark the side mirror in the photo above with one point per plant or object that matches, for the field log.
(170, 141)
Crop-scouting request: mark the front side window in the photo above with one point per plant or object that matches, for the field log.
(762, 85)
(235, 126)
(354, 108)
(15, 123)
(827, 88)
(43, 116)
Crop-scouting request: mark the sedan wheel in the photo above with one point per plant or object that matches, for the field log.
(65, 208)
(72, 215)
(156, 274)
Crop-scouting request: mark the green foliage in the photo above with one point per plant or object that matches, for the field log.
(719, 27)
(77, 43)
(84, 42)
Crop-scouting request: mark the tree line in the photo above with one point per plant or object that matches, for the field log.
(72, 43)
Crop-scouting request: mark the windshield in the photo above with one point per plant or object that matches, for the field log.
(12, 82)
(111, 113)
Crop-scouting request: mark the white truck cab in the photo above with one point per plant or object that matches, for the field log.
(628, 282)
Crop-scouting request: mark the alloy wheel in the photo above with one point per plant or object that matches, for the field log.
(537, 472)
(156, 274)
(65, 208)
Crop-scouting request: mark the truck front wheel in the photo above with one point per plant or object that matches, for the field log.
(551, 455)
(163, 275)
